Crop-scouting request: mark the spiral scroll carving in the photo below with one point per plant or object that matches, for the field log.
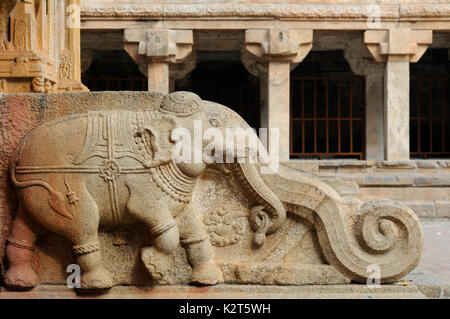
(355, 236)
(384, 233)
(379, 227)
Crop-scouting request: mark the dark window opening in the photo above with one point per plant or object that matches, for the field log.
(114, 71)
(218, 76)
(430, 106)
(327, 109)
(222, 78)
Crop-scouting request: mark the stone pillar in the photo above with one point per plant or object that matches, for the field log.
(158, 77)
(397, 48)
(279, 48)
(259, 70)
(176, 71)
(157, 49)
(264, 109)
(361, 64)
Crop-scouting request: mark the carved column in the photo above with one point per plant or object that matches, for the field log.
(279, 48)
(69, 56)
(362, 64)
(41, 52)
(397, 48)
(176, 71)
(157, 49)
(259, 70)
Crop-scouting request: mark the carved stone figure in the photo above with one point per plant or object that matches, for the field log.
(111, 168)
(39, 46)
(106, 169)
(6, 7)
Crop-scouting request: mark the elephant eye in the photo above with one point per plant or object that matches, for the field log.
(214, 122)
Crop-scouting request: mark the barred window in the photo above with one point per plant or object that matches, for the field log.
(113, 71)
(327, 117)
(430, 105)
(430, 117)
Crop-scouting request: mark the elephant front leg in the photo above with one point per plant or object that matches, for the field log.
(156, 213)
(199, 251)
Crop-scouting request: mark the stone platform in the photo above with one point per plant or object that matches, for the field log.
(432, 275)
(226, 292)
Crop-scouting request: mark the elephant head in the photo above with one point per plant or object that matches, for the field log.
(196, 117)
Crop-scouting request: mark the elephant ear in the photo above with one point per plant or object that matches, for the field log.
(158, 140)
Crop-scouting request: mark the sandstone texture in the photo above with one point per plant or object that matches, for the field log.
(235, 225)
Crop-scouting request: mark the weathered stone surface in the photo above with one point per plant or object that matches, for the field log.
(278, 49)
(406, 193)
(224, 235)
(229, 292)
(396, 48)
(423, 209)
(427, 164)
(343, 187)
(156, 49)
(432, 180)
(444, 164)
(303, 166)
(388, 179)
(40, 46)
(398, 44)
(447, 291)
(361, 64)
(396, 164)
(442, 209)
(430, 291)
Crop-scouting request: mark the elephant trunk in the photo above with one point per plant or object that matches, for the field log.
(269, 215)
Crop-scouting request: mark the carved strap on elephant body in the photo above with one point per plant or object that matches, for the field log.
(355, 237)
(57, 200)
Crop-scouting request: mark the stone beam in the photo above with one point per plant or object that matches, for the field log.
(402, 44)
(157, 49)
(397, 48)
(278, 48)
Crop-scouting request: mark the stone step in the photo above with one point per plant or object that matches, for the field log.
(227, 292)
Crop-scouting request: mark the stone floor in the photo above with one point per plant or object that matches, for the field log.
(355, 291)
(432, 276)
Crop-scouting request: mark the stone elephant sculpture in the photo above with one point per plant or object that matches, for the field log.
(106, 169)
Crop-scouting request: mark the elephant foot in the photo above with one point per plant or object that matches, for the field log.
(206, 274)
(157, 263)
(21, 277)
(99, 278)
